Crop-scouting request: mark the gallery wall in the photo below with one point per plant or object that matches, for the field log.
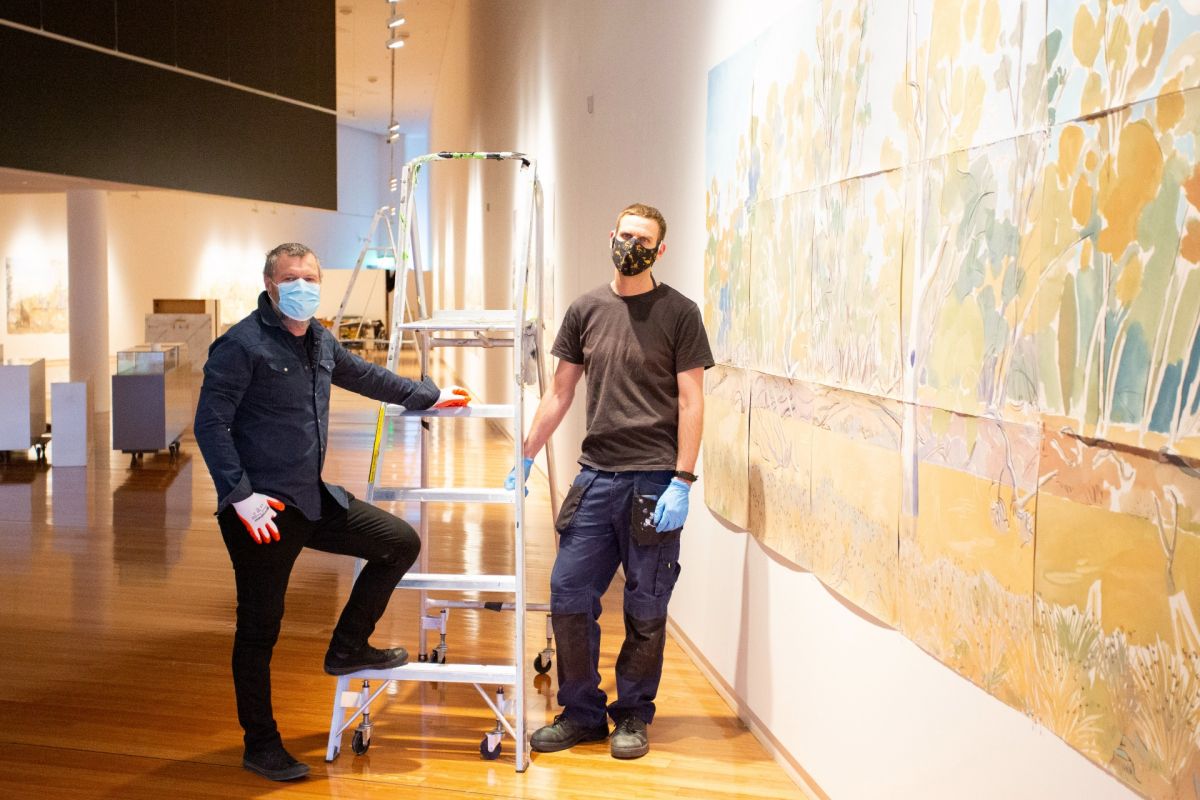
(617, 103)
(165, 244)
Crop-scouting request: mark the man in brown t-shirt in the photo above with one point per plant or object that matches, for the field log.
(643, 348)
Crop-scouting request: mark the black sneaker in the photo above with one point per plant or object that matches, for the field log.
(565, 733)
(365, 657)
(629, 738)
(275, 764)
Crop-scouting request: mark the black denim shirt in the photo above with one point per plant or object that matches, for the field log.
(263, 418)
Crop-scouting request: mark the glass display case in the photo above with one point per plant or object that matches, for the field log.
(148, 359)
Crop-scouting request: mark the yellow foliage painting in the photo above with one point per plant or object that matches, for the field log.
(1117, 647)
(970, 321)
(857, 254)
(726, 443)
(966, 558)
(856, 497)
(1120, 347)
(953, 260)
(780, 468)
(778, 328)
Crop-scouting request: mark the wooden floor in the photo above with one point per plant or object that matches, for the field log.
(116, 617)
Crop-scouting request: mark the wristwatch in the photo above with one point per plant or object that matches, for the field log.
(687, 476)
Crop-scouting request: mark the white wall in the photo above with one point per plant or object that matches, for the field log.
(165, 244)
(856, 707)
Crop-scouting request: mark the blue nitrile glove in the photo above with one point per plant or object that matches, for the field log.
(510, 482)
(672, 506)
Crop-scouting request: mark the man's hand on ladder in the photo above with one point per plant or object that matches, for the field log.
(453, 397)
(510, 482)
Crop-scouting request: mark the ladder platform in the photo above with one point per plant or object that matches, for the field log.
(482, 411)
(458, 582)
(503, 674)
(404, 494)
(504, 319)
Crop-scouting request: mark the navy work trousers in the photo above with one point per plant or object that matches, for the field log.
(598, 534)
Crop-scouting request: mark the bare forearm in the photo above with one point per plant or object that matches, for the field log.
(549, 414)
(691, 426)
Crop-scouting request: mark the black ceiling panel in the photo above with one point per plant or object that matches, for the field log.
(74, 111)
(309, 59)
(26, 12)
(92, 21)
(258, 44)
(202, 36)
(146, 28)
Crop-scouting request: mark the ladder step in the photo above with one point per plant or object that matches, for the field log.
(503, 674)
(465, 320)
(458, 582)
(405, 494)
(481, 410)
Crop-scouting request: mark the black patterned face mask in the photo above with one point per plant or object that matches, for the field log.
(630, 258)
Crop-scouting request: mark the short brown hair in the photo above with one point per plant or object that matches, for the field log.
(288, 249)
(649, 212)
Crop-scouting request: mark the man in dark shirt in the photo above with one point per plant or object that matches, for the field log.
(643, 349)
(262, 424)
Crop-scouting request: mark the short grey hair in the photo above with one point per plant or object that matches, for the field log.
(287, 249)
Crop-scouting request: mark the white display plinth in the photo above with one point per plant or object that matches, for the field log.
(22, 404)
(69, 414)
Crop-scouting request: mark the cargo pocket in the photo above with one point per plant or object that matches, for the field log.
(570, 503)
(668, 564)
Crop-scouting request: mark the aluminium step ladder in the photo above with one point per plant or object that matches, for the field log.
(518, 328)
(382, 219)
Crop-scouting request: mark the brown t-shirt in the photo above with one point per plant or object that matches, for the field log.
(631, 349)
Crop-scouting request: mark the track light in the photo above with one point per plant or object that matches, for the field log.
(397, 21)
(397, 40)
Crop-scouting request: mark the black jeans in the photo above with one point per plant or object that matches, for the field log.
(388, 544)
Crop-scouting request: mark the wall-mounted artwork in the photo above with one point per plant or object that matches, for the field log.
(1121, 350)
(1117, 645)
(858, 248)
(726, 443)
(971, 323)
(966, 562)
(780, 467)
(954, 252)
(856, 497)
(36, 293)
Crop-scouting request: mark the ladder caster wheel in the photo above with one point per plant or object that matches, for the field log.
(541, 666)
(489, 753)
(433, 657)
(359, 744)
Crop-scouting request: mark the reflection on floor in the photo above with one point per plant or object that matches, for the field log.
(116, 610)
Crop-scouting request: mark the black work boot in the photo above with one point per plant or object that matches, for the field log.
(275, 764)
(565, 733)
(629, 738)
(365, 657)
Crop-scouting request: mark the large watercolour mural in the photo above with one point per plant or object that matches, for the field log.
(953, 285)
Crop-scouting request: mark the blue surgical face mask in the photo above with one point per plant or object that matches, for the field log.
(299, 299)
